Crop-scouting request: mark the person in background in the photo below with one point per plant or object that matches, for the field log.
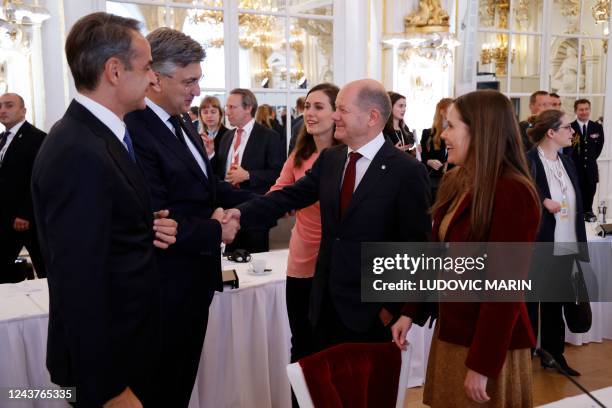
(555, 101)
(539, 101)
(433, 148)
(212, 129)
(263, 116)
(297, 122)
(588, 145)
(19, 144)
(193, 115)
(480, 351)
(316, 135)
(396, 130)
(562, 223)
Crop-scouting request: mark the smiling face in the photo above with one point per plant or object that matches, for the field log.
(350, 120)
(135, 80)
(318, 113)
(583, 112)
(180, 88)
(457, 137)
(399, 109)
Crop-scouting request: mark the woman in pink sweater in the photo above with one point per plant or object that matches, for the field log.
(316, 135)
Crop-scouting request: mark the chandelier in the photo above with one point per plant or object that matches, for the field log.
(16, 19)
(498, 53)
(601, 11)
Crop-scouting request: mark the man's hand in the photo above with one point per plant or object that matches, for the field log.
(475, 386)
(165, 229)
(21, 225)
(229, 228)
(237, 175)
(399, 331)
(126, 399)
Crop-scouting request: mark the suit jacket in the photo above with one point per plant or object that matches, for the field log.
(488, 329)
(390, 204)
(178, 184)
(16, 175)
(587, 151)
(95, 229)
(296, 127)
(220, 134)
(429, 152)
(262, 158)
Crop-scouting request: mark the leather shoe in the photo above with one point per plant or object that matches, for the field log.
(560, 359)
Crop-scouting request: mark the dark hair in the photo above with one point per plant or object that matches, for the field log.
(213, 102)
(534, 96)
(549, 119)
(374, 97)
(172, 49)
(495, 150)
(194, 110)
(248, 99)
(305, 145)
(394, 97)
(299, 103)
(580, 102)
(94, 39)
(554, 95)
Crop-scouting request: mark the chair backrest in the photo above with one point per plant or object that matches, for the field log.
(364, 373)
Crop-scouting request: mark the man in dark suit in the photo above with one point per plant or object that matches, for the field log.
(181, 179)
(249, 158)
(298, 123)
(95, 224)
(19, 144)
(539, 101)
(369, 191)
(586, 150)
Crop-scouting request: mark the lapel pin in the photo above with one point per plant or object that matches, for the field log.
(383, 167)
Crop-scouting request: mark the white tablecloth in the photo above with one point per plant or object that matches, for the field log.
(604, 396)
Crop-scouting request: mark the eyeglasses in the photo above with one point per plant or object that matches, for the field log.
(189, 82)
(568, 127)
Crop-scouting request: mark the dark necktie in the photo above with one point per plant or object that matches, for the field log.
(584, 130)
(3, 138)
(176, 124)
(348, 184)
(130, 147)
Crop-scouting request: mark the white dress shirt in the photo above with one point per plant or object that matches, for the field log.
(13, 131)
(582, 125)
(367, 151)
(248, 128)
(165, 117)
(105, 115)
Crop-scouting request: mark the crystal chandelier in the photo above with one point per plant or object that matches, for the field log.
(16, 18)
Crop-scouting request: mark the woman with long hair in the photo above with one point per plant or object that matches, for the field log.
(396, 130)
(481, 351)
(211, 120)
(433, 148)
(316, 135)
(562, 223)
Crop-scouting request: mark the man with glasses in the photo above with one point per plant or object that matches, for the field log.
(180, 178)
(250, 157)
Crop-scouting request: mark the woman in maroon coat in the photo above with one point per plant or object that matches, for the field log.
(480, 351)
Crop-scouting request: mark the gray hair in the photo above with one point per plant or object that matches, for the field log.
(371, 97)
(171, 49)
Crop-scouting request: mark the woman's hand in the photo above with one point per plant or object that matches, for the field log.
(399, 331)
(552, 206)
(434, 164)
(476, 386)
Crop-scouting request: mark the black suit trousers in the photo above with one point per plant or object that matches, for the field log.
(11, 243)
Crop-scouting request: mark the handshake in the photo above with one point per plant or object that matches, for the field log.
(230, 223)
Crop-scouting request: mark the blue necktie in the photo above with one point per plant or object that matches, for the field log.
(128, 143)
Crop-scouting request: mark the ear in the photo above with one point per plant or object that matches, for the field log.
(112, 70)
(374, 117)
(550, 133)
(156, 84)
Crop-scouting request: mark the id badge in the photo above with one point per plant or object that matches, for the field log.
(564, 213)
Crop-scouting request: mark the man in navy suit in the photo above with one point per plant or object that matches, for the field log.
(369, 191)
(19, 144)
(181, 179)
(585, 152)
(95, 224)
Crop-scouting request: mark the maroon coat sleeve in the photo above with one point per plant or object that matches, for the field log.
(515, 219)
